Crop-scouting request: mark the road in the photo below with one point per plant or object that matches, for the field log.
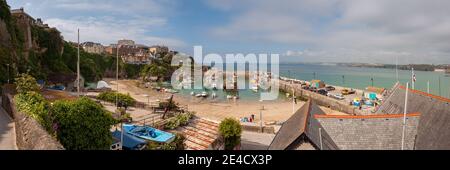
(7, 132)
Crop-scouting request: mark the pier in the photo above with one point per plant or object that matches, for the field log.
(321, 100)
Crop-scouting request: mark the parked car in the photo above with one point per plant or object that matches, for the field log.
(323, 92)
(348, 92)
(330, 88)
(345, 92)
(313, 89)
(338, 96)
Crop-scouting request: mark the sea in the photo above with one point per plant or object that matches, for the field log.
(346, 76)
(361, 77)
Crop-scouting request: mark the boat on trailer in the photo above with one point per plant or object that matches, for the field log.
(149, 133)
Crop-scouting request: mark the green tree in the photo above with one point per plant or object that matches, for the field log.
(230, 129)
(156, 69)
(177, 144)
(83, 125)
(26, 83)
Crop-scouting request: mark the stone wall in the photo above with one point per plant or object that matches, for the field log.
(321, 99)
(30, 135)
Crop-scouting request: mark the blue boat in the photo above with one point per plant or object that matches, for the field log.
(149, 133)
(59, 88)
(130, 142)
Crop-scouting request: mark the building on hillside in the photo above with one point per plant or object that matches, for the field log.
(434, 124)
(91, 47)
(25, 21)
(126, 42)
(137, 58)
(111, 49)
(154, 50)
(311, 129)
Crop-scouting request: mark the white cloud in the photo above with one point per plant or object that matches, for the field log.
(108, 30)
(373, 30)
(106, 21)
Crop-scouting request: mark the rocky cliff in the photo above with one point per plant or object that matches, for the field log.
(26, 46)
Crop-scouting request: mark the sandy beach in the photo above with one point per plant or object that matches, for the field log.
(278, 111)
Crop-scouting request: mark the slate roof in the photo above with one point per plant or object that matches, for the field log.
(328, 132)
(374, 132)
(302, 123)
(292, 129)
(434, 124)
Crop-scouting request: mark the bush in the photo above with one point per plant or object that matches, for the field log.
(179, 120)
(230, 129)
(34, 105)
(111, 97)
(26, 83)
(83, 125)
(176, 144)
(170, 105)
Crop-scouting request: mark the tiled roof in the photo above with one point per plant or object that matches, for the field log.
(375, 132)
(434, 124)
(200, 134)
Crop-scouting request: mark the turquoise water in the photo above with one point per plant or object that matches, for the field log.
(246, 94)
(360, 78)
(354, 77)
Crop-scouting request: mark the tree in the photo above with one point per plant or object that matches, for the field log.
(26, 83)
(157, 69)
(83, 125)
(230, 129)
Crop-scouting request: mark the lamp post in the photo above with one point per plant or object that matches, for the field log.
(8, 72)
(117, 97)
(148, 99)
(260, 116)
(372, 80)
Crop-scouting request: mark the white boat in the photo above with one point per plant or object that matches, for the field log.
(255, 88)
(171, 91)
(204, 94)
(198, 95)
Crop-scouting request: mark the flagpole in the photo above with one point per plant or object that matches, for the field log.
(404, 116)
(428, 87)
(413, 78)
(396, 68)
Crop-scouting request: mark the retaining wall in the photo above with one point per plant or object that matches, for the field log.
(30, 135)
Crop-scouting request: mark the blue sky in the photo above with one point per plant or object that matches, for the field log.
(299, 30)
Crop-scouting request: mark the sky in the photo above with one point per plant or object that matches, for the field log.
(363, 31)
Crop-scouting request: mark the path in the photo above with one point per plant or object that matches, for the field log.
(7, 132)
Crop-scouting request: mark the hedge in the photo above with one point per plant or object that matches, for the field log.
(111, 97)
